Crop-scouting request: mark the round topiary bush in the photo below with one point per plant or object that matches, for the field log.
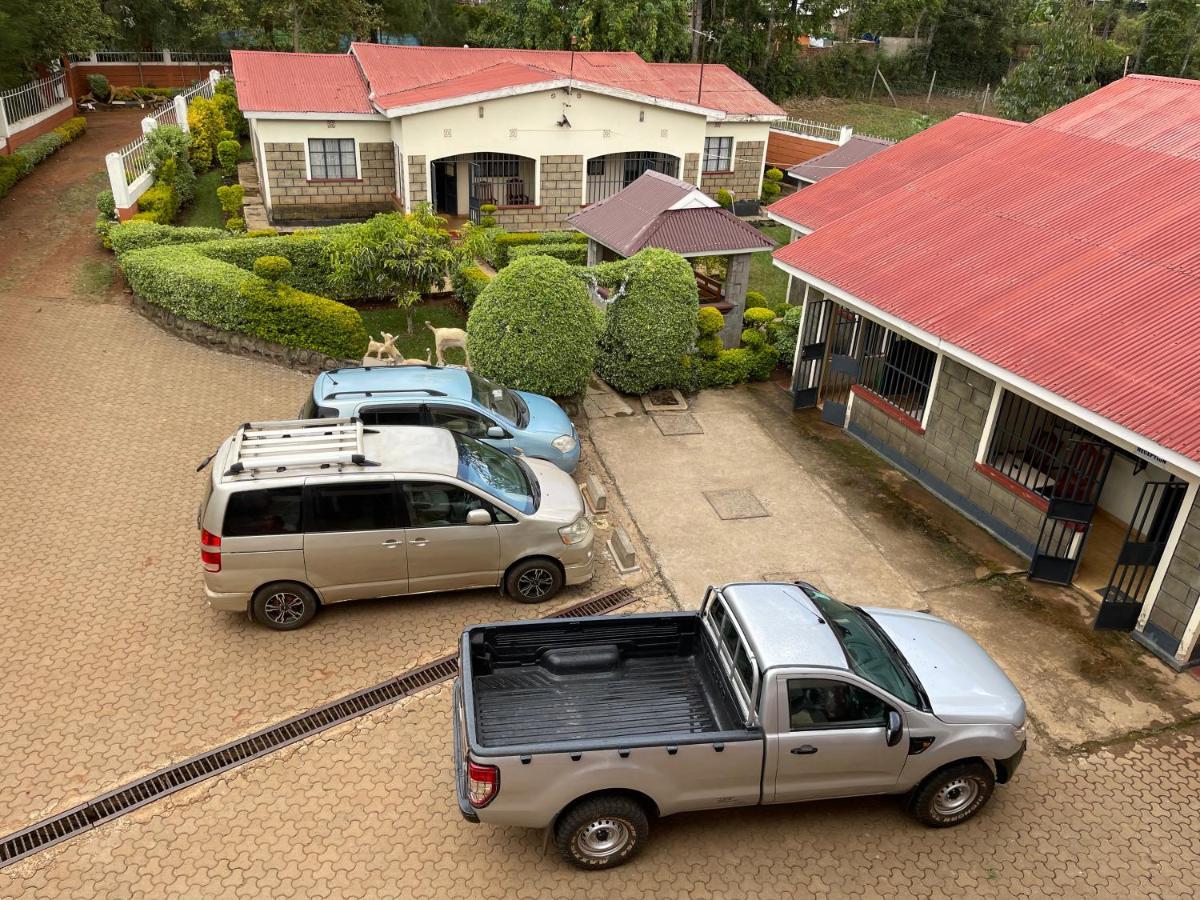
(758, 316)
(724, 198)
(756, 300)
(709, 321)
(650, 325)
(708, 347)
(751, 337)
(534, 328)
(272, 268)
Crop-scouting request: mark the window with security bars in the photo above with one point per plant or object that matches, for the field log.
(497, 165)
(718, 154)
(896, 370)
(1040, 451)
(330, 158)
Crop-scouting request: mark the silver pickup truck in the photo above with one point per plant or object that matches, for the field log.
(770, 693)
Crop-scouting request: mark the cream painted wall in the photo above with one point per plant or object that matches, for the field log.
(297, 131)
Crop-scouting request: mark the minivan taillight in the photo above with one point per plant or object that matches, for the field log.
(483, 783)
(210, 551)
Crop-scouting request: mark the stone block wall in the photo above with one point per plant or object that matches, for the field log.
(560, 195)
(1180, 589)
(691, 167)
(745, 181)
(296, 199)
(418, 179)
(943, 457)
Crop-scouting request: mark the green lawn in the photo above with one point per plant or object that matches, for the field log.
(205, 209)
(878, 119)
(764, 275)
(420, 342)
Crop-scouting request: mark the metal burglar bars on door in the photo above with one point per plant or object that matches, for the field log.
(1073, 499)
(806, 379)
(1149, 527)
(843, 368)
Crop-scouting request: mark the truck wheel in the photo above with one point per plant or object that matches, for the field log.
(952, 795)
(601, 833)
(283, 606)
(533, 580)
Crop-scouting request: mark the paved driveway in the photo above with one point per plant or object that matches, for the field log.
(112, 662)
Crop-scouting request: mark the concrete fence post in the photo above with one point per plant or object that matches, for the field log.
(181, 112)
(149, 124)
(166, 55)
(847, 133)
(120, 187)
(3, 121)
(92, 56)
(214, 76)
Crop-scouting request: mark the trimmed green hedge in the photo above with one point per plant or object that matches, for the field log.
(573, 253)
(130, 236)
(305, 250)
(509, 241)
(534, 328)
(468, 281)
(282, 314)
(22, 160)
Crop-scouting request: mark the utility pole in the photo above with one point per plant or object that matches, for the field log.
(696, 37)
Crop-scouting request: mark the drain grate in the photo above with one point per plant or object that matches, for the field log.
(106, 807)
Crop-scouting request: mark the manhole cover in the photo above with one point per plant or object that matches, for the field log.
(737, 503)
(664, 400)
(678, 423)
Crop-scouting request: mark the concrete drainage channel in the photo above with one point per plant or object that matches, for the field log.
(126, 799)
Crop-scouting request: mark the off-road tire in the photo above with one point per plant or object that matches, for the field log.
(585, 832)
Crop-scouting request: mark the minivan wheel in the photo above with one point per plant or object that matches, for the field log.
(533, 580)
(283, 606)
(952, 795)
(601, 833)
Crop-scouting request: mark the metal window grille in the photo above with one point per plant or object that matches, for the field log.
(896, 370)
(331, 158)
(595, 166)
(619, 170)
(503, 179)
(1033, 446)
(718, 154)
(497, 165)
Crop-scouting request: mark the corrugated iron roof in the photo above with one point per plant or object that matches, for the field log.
(853, 151)
(640, 215)
(884, 172)
(299, 82)
(1066, 252)
(785, 150)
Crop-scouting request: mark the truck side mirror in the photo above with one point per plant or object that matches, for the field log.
(895, 728)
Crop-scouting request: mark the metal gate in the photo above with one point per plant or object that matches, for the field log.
(806, 380)
(473, 201)
(1149, 527)
(841, 371)
(1073, 499)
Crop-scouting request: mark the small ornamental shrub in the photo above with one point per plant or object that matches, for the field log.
(99, 87)
(783, 333)
(468, 281)
(753, 339)
(650, 324)
(730, 367)
(770, 185)
(709, 346)
(709, 321)
(205, 123)
(272, 268)
(170, 142)
(106, 204)
(230, 197)
(12, 170)
(756, 300)
(724, 198)
(763, 361)
(758, 316)
(104, 227)
(487, 215)
(235, 224)
(225, 96)
(72, 128)
(159, 204)
(534, 328)
(226, 135)
(227, 155)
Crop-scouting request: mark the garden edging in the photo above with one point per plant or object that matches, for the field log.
(298, 358)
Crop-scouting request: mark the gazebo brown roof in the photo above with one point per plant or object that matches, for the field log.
(657, 210)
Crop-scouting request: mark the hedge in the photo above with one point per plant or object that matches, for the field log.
(508, 241)
(574, 253)
(130, 236)
(188, 283)
(650, 325)
(305, 250)
(468, 281)
(22, 160)
(534, 328)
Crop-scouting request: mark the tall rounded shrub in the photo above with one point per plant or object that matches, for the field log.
(651, 324)
(534, 328)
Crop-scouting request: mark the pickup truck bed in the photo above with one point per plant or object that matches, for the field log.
(596, 679)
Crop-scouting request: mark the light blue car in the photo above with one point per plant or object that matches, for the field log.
(448, 398)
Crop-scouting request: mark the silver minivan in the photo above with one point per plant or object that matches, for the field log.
(304, 513)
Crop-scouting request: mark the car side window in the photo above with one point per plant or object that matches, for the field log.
(434, 504)
(267, 511)
(353, 506)
(822, 703)
(464, 421)
(391, 414)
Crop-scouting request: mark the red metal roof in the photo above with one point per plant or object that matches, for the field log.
(889, 169)
(785, 150)
(1066, 252)
(640, 215)
(299, 82)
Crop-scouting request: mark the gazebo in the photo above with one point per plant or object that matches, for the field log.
(657, 210)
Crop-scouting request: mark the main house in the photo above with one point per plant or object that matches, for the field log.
(538, 134)
(1011, 314)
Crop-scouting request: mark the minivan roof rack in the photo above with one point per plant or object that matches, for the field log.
(296, 443)
(429, 392)
(385, 368)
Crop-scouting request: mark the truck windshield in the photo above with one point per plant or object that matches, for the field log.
(870, 653)
(494, 472)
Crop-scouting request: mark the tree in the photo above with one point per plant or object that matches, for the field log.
(1061, 70)
(35, 34)
(392, 255)
(1169, 31)
(971, 41)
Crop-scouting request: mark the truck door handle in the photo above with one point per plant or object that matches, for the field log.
(804, 750)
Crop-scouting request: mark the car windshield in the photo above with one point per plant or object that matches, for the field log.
(498, 399)
(491, 471)
(869, 651)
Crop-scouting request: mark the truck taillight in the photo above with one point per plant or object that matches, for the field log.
(210, 551)
(483, 783)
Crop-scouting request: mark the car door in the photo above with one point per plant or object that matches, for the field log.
(470, 422)
(444, 552)
(832, 740)
(354, 540)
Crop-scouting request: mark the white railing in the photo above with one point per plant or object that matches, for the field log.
(34, 98)
(164, 113)
(174, 111)
(150, 56)
(135, 161)
(821, 131)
